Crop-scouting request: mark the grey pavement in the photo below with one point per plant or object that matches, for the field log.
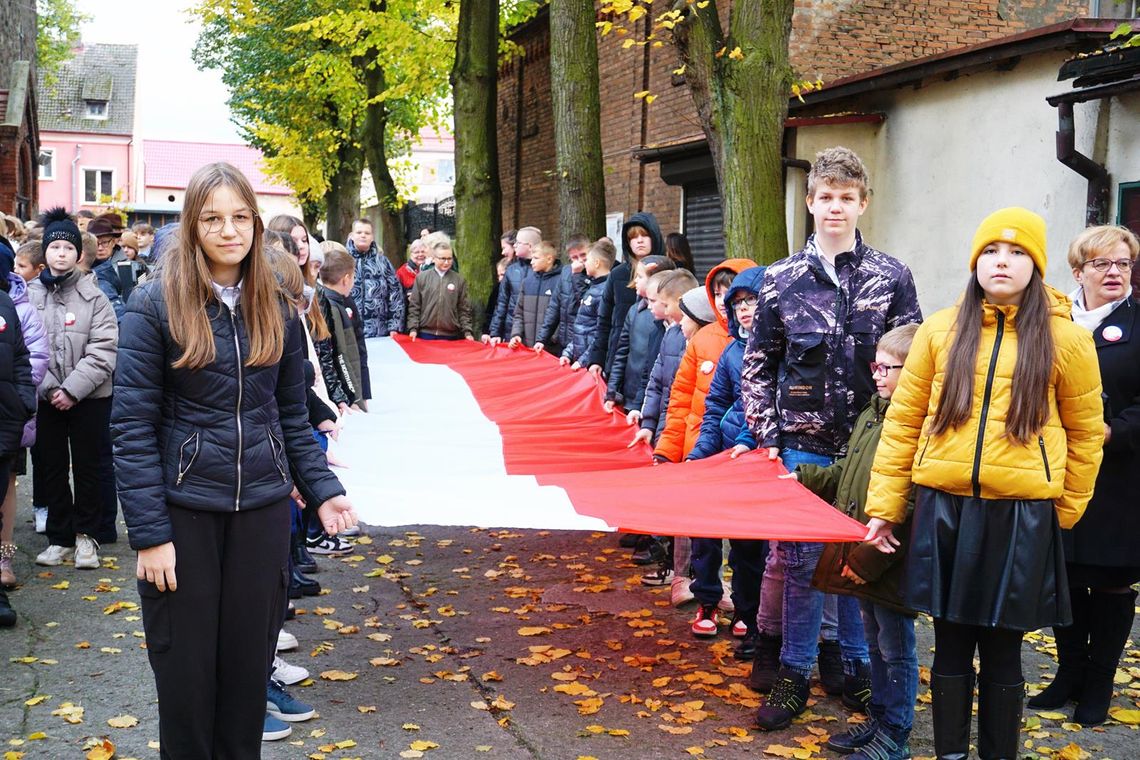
(429, 624)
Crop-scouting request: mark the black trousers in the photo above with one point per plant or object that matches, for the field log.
(75, 443)
(211, 642)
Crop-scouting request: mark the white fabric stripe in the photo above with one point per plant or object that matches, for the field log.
(424, 454)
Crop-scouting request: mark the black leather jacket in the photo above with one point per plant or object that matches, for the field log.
(222, 438)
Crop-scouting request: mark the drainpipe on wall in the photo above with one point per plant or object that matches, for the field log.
(75, 179)
(1096, 207)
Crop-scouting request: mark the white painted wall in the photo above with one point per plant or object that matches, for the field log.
(953, 151)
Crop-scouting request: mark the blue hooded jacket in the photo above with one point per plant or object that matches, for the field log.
(723, 425)
(656, 401)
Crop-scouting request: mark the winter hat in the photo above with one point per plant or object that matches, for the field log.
(58, 225)
(7, 259)
(695, 304)
(1012, 225)
(316, 253)
(653, 264)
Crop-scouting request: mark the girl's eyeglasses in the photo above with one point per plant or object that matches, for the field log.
(882, 370)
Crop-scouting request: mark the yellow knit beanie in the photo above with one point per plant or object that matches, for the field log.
(1012, 225)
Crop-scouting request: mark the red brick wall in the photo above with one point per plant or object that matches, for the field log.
(837, 38)
(830, 39)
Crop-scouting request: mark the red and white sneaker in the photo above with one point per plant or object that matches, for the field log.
(704, 624)
(739, 629)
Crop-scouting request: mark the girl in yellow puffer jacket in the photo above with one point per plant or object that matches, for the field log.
(1003, 445)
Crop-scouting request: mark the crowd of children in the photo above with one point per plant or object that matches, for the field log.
(925, 432)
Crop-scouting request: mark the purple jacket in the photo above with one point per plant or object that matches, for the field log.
(806, 372)
(35, 338)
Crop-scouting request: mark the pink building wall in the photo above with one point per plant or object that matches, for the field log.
(100, 153)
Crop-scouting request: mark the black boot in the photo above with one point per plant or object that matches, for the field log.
(857, 688)
(999, 719)
(953, 701)
(1110, 622)
(830, 665)
(788, 699)
(7, 614)
(765, 662)
(302, 560)
(1072, 656)
(300, 585)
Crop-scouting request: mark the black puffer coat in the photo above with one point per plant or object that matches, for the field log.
(536, 293)
(637, 349)
(558, 324)
(223, 438)
(17, 391)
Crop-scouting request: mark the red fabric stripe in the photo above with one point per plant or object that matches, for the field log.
(553, 427)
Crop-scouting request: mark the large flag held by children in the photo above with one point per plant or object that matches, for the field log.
(460, 433)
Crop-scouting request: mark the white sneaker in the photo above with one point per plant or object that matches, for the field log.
(55, 555)
(286, 641)
(86, 552)
(288, 674)
(40, 515)
(679, 592)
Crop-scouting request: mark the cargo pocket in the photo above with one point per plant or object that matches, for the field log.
(805, 373)
(157, 623)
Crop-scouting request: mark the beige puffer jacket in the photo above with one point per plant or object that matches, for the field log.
(83, 336)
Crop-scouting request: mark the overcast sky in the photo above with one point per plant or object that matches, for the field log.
(174, 100)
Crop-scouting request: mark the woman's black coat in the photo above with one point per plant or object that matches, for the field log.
(1108, 534)
(223, 438)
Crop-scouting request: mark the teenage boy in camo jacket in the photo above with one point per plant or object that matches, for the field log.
(806, 375)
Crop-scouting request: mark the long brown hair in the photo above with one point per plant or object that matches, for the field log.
(283, 223)
(1029, 406)
(186, 280)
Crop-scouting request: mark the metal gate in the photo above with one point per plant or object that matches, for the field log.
(437, 217)
(703, 225)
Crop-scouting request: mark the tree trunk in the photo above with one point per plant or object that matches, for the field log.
(477, 197)
(311, 213)
(343, 197)
(742, 105)
(577, 119)
(390, 236)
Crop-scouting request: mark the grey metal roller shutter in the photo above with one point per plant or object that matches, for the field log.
(704, 225)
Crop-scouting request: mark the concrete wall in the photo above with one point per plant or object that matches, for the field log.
(951, 152)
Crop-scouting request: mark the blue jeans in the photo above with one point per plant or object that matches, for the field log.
(803, 605)
(894, 667)
(746, 557)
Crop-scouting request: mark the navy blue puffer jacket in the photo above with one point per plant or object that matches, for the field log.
(723, 425)
(637, 348)
(509, 289)
(558, 323)
(656, 401)
(221, 438)
(586, 322)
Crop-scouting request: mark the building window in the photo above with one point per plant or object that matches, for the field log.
(1128, 206)
(97, 185)
(47, 163)
(95, 109)
(445, 171)
(1114, 8)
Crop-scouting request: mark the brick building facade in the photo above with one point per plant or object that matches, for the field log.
(830, 39)
(19, 134)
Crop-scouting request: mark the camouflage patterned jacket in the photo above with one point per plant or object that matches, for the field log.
(377, 292)
(807, 369)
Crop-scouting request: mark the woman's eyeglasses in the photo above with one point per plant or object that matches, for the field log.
(882, 370)
(212, 223)
(1103, 265)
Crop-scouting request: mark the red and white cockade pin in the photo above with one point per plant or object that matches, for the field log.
(451, 286)
(350, 316)
(707, 367)
(68, 319)
(1112, 333)
(3, 324)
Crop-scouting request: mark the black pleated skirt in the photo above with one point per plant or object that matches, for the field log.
(987, 562)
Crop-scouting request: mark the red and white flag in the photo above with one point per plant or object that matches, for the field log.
(459, 433)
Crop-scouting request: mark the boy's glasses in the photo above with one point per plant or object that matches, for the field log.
(882, 370)
(745, 302)
(1103, 265)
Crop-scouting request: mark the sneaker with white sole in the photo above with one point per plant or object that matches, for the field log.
(286, 673)
(40, 516)
(704, 624)
(739, 629)
(86, 552)
(352, 532)
(283, 706)
(329, 546)
(274, 729)
(662, 576)
(55, 555)
(679, 592)
(286, 641)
